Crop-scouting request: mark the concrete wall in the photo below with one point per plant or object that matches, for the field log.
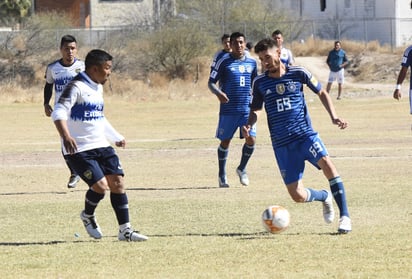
(115, 13)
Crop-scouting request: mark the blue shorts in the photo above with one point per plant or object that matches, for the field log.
(228, 124)
(93, 165)
(291, 158)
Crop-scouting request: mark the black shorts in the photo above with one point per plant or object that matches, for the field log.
(93, 165)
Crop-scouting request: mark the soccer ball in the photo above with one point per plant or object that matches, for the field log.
(275, 219)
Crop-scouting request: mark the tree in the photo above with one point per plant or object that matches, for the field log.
(14, 11)
(173, 48)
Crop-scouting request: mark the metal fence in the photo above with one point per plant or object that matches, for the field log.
(394, 32)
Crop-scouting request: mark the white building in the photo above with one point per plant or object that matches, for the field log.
(387, 21)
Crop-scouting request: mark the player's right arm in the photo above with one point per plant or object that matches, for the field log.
(47, 94)
(402, 74)
(61, 114)
(219, 93)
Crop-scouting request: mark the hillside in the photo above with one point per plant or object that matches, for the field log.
(371, 74)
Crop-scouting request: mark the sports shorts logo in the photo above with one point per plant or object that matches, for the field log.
(88, 174)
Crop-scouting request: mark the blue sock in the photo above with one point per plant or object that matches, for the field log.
(316, 195)
(91, 201)
(222, 156)
(120, 205)
(338, 192)
(247, 151)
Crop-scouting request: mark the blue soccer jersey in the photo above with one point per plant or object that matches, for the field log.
(407, 62)
(235, 78)
(285, 105)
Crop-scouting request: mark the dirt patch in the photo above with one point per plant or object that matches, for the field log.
(367, 74)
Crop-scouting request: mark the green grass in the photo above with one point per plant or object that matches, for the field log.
(197, 230)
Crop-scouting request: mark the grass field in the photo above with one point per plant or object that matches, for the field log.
(197, 230)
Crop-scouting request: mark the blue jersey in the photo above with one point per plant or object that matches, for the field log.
(335, 59)
(407, 62)
(285, 105)
(235, 78)
(217, 57)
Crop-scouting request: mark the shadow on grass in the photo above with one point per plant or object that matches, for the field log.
(238, 236)
(33, 193)
(128, 189)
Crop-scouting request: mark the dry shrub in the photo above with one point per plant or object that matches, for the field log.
(317, 47)
(13, 92)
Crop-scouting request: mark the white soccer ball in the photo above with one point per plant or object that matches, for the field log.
(275, 218)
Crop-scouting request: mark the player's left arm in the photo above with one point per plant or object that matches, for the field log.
(316, 87)
(330, 108)
(112, 135)
(344, 60)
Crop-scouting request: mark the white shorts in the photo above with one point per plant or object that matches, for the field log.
(340, 76)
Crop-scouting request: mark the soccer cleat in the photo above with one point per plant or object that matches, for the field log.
(244, 179)
(345, 225)
(74, 178)
(92, 228)
(130, 235)
(223, 182)
(328, 211)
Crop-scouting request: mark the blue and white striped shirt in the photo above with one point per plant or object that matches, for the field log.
(285, 105)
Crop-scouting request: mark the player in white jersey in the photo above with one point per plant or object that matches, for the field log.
(85, 133)
(286, 55)
(58, 74)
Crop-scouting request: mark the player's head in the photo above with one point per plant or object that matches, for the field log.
(225, 39)
(68, 49)
(98, 65)
(237, 43)
(277, 36)
(337, 45)
(269, 54)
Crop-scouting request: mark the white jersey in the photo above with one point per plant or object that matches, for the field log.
(60, 75)
(286, 56)
(81, 105)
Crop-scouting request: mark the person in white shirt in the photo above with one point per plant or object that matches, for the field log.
(286, 55)
(58, 74)
(85, 134)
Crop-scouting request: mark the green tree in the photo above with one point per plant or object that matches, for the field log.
(14, 11)
(173, 49)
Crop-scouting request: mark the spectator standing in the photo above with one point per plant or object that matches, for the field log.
(337, 61)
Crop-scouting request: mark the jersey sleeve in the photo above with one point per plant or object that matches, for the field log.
(48, 75)
(110, 133)
(257, 98)
(311, 81)
(65, 103)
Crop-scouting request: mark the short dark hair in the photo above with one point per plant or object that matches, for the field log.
(265, 44)
(97, 57)
(224, 37)
(236, 35)
(276, 32)
(67, 39)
